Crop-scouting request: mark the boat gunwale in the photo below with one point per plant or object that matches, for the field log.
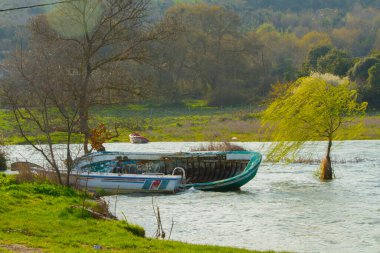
(133, 176)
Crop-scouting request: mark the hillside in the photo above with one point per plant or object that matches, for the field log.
(232, 52)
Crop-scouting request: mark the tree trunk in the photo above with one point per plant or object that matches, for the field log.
(84, 103)
(83, 113)
(84, 128)
(69, 160)
(326, 170)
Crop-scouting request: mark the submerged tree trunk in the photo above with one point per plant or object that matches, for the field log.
(326, 170)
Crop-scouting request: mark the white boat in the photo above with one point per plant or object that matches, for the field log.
(127, 183)
(136, 138)
(125, 172)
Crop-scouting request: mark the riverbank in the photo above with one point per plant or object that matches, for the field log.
(40, 217)
(190, 122)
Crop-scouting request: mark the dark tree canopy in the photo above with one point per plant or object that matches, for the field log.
(335, 62)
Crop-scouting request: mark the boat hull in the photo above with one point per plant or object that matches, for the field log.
(124, 183)
(144, 172)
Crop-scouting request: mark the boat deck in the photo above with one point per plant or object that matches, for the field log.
(200, 170)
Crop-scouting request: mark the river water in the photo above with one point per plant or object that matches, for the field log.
(284, 208)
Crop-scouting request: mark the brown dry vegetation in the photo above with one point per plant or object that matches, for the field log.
(18, 248)
(224, 146)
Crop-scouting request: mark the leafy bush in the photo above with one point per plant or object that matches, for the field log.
(134, 229)
(227, 96)
(53, 190)
(3, 161)
(6, 180)
(47, 189)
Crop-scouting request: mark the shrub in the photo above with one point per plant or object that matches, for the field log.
(26, 173)
(54, 190)
(6, 180)
(3, 155)
(134, 229)
(3, 161)
(47, 189)
(227, 96)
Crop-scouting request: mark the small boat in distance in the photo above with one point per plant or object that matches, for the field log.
(136, 138)
(125, 172)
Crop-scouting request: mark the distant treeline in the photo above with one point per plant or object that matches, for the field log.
(232, 52)
(282, 5)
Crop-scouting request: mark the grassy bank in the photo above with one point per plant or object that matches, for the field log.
(39, 217)
(189, 122)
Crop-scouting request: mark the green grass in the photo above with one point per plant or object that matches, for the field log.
(192, 121)
(38, 216)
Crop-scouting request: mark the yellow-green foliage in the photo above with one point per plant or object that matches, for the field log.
(311, 109)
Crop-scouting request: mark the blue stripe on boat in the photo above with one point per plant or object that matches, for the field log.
(130, 178)
(163, 185)
(147, 184)
(126, 182)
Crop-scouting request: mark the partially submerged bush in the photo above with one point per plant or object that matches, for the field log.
(3, 158)
(223, 146)
(3, 161)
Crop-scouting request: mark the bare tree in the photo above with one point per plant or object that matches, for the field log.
(37, 90)
(99, 37)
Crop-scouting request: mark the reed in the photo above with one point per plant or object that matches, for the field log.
(316, 161)
(27, 175)
(216, 146)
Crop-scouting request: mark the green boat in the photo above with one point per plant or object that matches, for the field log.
(230, 173)
(150, 172)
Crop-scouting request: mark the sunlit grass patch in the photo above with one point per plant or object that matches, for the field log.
(194, 103)
(189, 122)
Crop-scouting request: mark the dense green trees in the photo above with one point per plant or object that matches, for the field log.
(335, 62)
(266, 42)
(366, 73)
(207, 52)
(324, 59)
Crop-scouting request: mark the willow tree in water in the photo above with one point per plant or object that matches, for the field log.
(312, 109)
